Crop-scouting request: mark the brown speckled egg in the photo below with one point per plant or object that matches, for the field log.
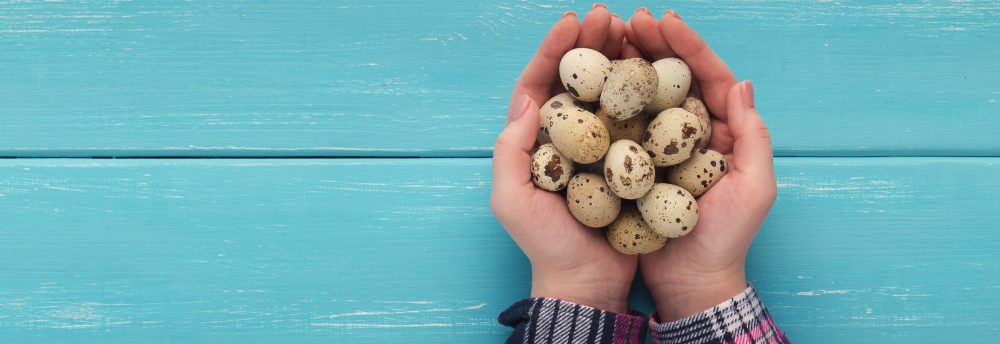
(672, 137)
(550, 169)
(694, 105)
(583, 72)
(553, 106)
(579, 135)
(669, 209)
(628, 170)
(673, 82)
(629, 88)
(699, 173)
(629, 129)
(630, 234)
(590, 200)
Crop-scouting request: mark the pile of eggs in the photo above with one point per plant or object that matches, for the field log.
(627, 142)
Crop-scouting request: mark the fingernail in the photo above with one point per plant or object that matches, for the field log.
(615, 15)
(569, 13)
(598, 4)
(672, 13)
(747, 91)
(521, 108)
(643, 10)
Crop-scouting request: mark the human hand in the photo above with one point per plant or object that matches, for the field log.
(569, 261)
(707, 267)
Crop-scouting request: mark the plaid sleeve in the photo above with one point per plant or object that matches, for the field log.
(741, 319)
(546, 320)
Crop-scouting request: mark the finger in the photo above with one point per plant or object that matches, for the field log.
(631, 38)
(711, 72)
(722, 139)
(751, 140)
(594, 31)
(543, 70)
(647, 33)
(511, 157)
(630, 51)
(616, 37)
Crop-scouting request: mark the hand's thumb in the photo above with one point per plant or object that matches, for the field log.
(511, 154)
(752, 147)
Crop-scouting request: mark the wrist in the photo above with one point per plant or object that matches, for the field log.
(605, 296)
(695, 293)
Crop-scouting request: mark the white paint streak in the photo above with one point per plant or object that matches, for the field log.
(380, 325)
(61, 188)
(821, 292)
(432, 310)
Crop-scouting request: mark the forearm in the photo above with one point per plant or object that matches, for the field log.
(696, 292)
(740, 319)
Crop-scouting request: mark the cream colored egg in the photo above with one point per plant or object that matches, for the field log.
(698, 173)
(628, 169)
(550, 169)
(629, 88)
(672, 137)
(669, 209)
(579, 135)
(629, 129)
(694, 105)
(583, 73)
(551, 107)
(674, 80)
(630, 234)
(591, 201)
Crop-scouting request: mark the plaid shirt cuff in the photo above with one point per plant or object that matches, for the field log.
(741, 319)
(546, 320)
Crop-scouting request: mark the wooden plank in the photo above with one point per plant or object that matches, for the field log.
(864, 250)
(401, 78)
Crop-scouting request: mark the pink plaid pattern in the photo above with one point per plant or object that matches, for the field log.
(740, 320)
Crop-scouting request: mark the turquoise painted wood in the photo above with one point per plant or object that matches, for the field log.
(404, 78)
(857, 250)
(862, 250)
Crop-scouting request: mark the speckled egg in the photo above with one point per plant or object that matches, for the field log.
(672, 137)
(629, 88)
(694, 105)
(591, 201)
(579, 135)
(550, 169)
(630, 234)
(583, 72)
(698, 173)
(628, 169)
(669, 209)
(553, 106)
(629, 129)
(674, 80)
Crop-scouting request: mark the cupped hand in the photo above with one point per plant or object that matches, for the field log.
(706, 267)
(568, 260)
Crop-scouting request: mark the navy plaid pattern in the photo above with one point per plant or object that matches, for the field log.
(547, 320)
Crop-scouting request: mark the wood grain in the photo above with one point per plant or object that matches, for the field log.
(861, 250)
(402, 78)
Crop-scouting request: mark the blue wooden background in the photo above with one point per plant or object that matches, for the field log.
(884, 116)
